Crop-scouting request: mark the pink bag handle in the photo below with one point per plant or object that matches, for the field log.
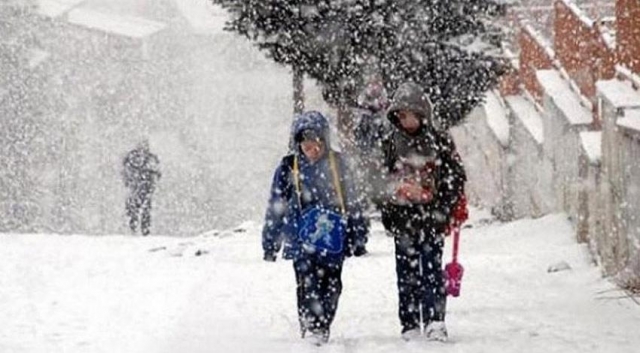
(456, 243)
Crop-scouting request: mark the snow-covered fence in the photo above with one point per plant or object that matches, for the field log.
(584, 164)
(526, 161)
(529, 171)
(629, 209)
(483, 143)
(588, 222)
(619, 242)
(564, 118)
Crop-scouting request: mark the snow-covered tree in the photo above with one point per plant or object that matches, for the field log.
(283, 29)
(446, 46)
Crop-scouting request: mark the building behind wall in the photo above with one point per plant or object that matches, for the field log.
(113, 72)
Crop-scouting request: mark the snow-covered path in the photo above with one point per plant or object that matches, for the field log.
(124, 294)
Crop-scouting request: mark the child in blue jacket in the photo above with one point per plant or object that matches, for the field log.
(314, 213)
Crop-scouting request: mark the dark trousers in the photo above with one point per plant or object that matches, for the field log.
(422, 296)
(138, 208)
(318, 290)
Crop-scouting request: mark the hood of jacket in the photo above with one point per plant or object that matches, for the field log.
(311, 120)
(410, 96)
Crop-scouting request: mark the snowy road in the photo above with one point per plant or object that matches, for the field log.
(123, 294)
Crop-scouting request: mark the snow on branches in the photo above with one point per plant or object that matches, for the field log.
(448, 47)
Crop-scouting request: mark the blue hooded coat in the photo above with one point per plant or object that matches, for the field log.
(282, 220)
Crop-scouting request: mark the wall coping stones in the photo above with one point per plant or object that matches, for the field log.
(619, 93)
(592, 145)
(564, 98)
(526, 112)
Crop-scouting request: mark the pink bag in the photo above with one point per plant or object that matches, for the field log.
(453, 271)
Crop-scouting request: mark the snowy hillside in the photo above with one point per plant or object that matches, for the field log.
(213, 293)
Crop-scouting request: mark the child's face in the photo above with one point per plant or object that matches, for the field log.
(312, 149)
(409, 120)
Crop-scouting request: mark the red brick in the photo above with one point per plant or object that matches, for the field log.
(533, 57)
(628, 33)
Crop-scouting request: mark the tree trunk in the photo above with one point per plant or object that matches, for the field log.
(298, 91)
(345, 127)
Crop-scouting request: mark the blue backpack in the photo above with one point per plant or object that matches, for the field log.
(322, 231)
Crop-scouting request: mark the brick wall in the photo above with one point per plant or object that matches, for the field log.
(533, 56)
(580, 48)
(509, 84)
(628, 33)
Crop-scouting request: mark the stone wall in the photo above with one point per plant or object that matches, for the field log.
(530, 172)
(484, 150)
(619, 239)
(552, 159)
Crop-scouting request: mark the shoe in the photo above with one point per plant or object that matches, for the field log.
(410, 334)
(360, 251)
(436, 331)
(318, 338)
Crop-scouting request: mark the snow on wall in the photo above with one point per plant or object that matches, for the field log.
(563, 120)
(628, 209)
(578, 13)
(497, 118)
(618, 237)
(619, 93)
(128, 26)
(592, 145)
(631, 121)
(546, 46)
(529, 173)
(485, 161)
(535, 54)
(564, 98)
(526, 112)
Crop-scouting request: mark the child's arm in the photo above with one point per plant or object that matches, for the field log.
(357, 223)
(452, 177)
(277, 209)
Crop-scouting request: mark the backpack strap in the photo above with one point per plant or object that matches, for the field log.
(336, 181)
(296, 180)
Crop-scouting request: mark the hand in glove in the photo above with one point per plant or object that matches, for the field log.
(460, 211)
(360, 251)
(459, 214)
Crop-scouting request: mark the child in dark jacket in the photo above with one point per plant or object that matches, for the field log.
(426, 180)
(313, 182)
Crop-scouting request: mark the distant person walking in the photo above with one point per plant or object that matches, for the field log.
(140, 174)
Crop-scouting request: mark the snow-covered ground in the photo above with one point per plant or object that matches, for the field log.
(213, 293)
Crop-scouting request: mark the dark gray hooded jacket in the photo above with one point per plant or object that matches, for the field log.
(429, 156)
